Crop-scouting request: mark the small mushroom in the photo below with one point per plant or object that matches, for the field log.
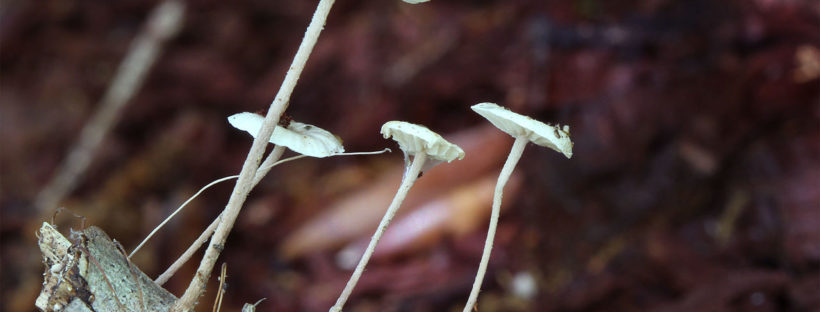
(524, 129)
(302, 138)
(415, 1)
(420, 143)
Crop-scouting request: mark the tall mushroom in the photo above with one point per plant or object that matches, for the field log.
(420, 143)
(524, 129)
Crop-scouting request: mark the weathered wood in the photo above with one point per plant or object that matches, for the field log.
(91, 272)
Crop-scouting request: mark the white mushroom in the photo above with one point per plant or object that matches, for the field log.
(524, 129)
(415, 1)
(416, 141)
(520, 126)
(302, 138)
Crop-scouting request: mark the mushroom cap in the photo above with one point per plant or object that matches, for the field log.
(415, 1)
(517, 125)
(414, 139)
(302, 138)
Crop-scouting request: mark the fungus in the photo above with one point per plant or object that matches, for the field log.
(420, 143)
(304, 139)
(301, 138)
(524, 129)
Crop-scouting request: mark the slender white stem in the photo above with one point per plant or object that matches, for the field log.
(169, 217)
(244, 184)
(162, 278)
(163, 23)
(512, 160)
(407, 181)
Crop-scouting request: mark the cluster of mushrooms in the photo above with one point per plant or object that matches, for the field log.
(427, 149)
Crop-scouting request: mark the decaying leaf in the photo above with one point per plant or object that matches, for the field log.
(359, 213)
(460, 211)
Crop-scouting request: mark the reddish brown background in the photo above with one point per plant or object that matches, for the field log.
(688, 117)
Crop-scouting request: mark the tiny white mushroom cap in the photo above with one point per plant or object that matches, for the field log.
(302, 138)
(415, 1)
(517, 125)
(414, 139)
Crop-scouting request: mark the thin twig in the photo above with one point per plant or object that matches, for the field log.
(272, 159)
(221, 291)
(174, 267)
(165, 276)
(244, 184)
(163, 23)
(269, 163)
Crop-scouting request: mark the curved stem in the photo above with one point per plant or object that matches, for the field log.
(263, 170)
(512, 160)
(244, 184)
(409, 178)
(269, 163)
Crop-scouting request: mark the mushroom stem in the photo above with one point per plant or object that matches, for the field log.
(410, 176)
(509, 165)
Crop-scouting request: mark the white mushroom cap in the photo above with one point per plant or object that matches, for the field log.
(414, 139)
(415, 1)
(518, 125)
(302, 138)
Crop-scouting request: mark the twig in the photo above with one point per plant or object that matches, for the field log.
(243, 186)
(174, 267)
(269, 163)
(221, 291)
(263, 170)
(165, 276)
(164, 23)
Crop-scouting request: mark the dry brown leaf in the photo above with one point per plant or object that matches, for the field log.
(461, 211)
(358, 213)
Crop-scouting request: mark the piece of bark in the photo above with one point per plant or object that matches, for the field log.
(90, 272)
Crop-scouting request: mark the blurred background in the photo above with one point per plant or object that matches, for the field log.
(693, 185)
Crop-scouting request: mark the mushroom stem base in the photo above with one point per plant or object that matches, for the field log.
(410, 177)
(512, 160)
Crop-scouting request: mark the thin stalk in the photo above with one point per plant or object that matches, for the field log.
(245, 182)
(163, 24)
(263, 170)
(409, 178)
(512, 160)
(269, 163)
(174, 267)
